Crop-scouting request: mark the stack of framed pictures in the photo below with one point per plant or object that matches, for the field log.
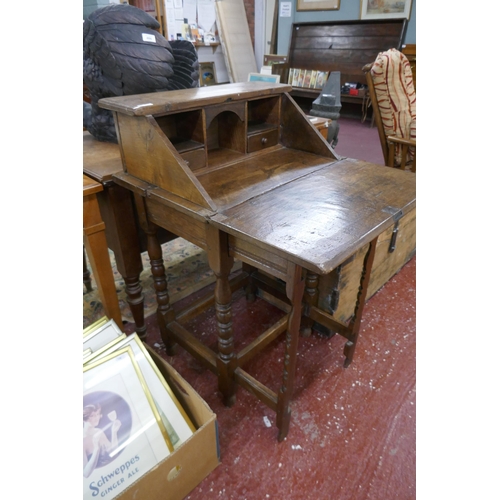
(131, 418)
(307, 78)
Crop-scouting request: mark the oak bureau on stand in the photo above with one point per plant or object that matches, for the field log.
(240, 171)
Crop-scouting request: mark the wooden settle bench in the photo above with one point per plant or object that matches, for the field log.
(344, 46)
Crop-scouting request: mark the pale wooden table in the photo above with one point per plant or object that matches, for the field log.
(94, 239)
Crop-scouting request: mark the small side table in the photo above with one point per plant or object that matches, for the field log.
(94, 239)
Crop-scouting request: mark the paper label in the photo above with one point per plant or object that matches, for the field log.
(285, 9)
(147, 37)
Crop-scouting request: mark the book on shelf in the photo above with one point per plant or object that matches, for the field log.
(321, 79)
(314, 75)
(310, 78)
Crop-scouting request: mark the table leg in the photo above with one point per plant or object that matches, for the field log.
(117, 211)
(355, 323)
(96, 246)
(221, 264)
(135, 300)
(164, 313)
(311, 296)
(294, 291)
(86, 273)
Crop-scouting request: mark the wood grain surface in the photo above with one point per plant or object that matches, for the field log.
(321, 220)
(178, 100)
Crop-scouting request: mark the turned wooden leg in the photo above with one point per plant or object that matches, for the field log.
(221, 264)
(135, 300)
(117, 209)
(310, 299)
(294, 290)
(355, 323)
(164, 313)
(86, 273)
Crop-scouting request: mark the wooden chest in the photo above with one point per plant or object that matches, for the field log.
(338, 290)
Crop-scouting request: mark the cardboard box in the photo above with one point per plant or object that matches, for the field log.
(177, 475)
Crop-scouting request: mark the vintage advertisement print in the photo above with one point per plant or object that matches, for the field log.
(177, 423)
(123, 437)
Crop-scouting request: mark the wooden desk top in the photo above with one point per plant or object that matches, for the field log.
(254, 175)
(90, 186)
(321, 219)
(100, 159)
(316, 220)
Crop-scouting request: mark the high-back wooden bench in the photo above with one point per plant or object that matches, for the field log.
(344, 46)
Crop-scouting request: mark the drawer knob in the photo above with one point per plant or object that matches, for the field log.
(264, 140)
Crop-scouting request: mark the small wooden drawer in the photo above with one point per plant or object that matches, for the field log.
(195, 159)
(263, 140)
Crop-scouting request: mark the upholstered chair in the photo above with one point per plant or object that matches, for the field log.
(394, 101)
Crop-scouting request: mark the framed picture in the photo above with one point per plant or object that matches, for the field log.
(385, 9)
(90, 353)
(123, 435)
(95, 326)
(262, 77)
(318, 5)
(207, 74)
(100, 339)
(177, 423)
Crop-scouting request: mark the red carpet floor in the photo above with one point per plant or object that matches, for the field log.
(359, 140)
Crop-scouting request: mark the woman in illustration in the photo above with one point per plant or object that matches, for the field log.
(96, 445)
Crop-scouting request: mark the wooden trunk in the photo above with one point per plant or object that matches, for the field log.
(339, 289)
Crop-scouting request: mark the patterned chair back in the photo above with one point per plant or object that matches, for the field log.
(396, 98)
